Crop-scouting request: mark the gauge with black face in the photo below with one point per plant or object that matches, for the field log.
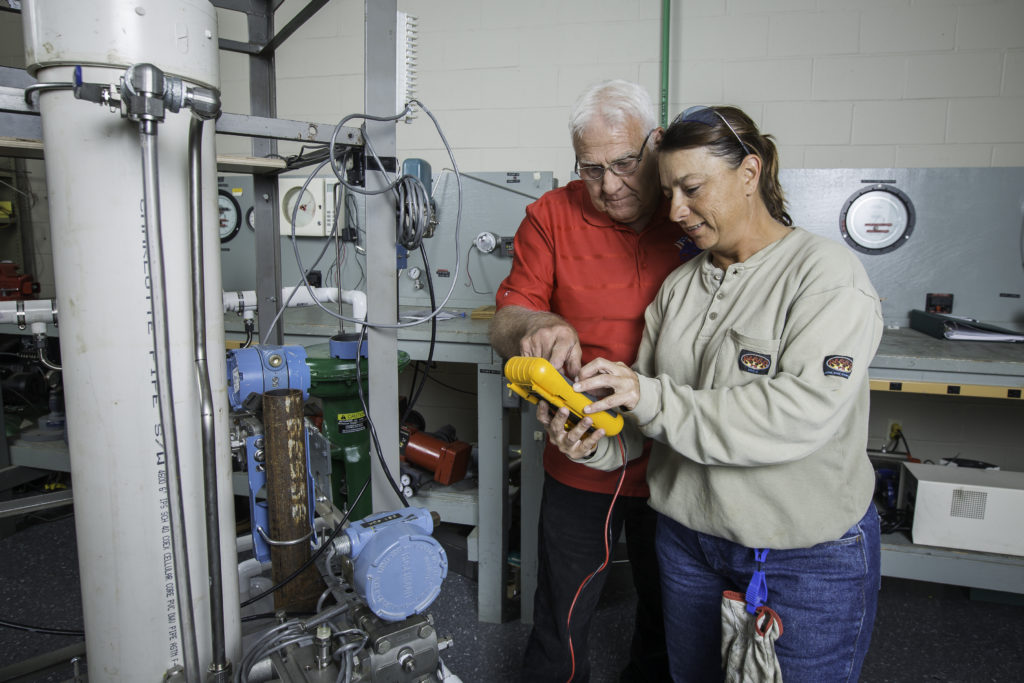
(229, 216)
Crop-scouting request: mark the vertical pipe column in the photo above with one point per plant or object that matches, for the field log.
(104, 289)
(288, 499)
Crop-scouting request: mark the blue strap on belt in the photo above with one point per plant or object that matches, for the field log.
(757, 589)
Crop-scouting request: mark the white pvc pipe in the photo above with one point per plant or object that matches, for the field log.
(247, 570)
(357, 299)
(93, 171)
(27, 312)
(245, 300)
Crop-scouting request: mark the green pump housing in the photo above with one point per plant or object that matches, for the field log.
(334, 381)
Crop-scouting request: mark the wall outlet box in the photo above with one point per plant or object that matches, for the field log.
(964, 507)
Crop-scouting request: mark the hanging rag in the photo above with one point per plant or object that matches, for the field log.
(749, 631)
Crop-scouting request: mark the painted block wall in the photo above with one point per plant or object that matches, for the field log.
(840, 83)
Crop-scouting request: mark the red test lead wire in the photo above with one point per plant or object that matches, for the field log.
(607, 558)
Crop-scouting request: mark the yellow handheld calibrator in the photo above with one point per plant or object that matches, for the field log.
(535, 379)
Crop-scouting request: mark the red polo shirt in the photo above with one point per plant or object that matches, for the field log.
(573, 260)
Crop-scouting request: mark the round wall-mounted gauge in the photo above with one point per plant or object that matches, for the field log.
(306, 207)
(486, 242)
(229, 215)
(877, 219)
(250, 218)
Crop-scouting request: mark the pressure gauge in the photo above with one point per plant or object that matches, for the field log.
(414, 274)
(486, 242)
(306, 203)
(250, 218)
(229, 215)
(877, 219)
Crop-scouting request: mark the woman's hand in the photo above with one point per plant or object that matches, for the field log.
(616, 384)
(574, 442)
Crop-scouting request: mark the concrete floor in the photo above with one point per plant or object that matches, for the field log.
(924, 631)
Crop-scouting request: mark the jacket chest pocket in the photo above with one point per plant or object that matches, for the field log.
(742, 359)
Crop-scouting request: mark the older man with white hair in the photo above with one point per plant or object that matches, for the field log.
(589, 258)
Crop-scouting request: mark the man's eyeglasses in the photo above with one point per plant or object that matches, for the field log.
(624, 167)
(706, 115)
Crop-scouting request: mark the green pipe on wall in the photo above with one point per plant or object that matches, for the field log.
(666, 11)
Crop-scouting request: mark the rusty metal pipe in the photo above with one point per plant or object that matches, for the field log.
(288, 499)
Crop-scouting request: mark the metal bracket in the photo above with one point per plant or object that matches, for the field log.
(269, 541)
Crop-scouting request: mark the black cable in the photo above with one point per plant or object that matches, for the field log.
(905, 444)
(41, 629)
(449, 386)
(469, 276)
(369, 422)
(298, 259)
(892, 521)
(23, 397)
(412, 385)
(273, 615)
(312, 558)
(433, 338)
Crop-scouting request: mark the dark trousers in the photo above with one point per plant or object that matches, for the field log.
(571, 547)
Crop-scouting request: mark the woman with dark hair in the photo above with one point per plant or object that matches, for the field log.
(752, 380)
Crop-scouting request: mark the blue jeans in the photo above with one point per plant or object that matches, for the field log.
(826, 596)
(571, 546)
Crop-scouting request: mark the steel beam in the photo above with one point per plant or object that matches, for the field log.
(283, 129)
(27, 504)
(382, 281)
(263, 103)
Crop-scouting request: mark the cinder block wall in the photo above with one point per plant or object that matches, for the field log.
(840, 83)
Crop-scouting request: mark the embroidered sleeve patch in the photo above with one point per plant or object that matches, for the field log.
(757, 363)
(839, 366)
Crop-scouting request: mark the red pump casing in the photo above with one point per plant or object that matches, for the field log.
(448, 461)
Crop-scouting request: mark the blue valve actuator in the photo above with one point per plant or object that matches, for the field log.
(259, 369)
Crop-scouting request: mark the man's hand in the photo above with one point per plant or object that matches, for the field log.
(574, 442)
(537, 334)
(556, 341)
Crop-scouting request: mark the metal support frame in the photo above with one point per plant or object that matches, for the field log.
(263, 102)
(284, 129)
(28, 249)
(266, 46)
(492, 441)
(17, 118)
(531, 485)
(382, 280)
(27, 504)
